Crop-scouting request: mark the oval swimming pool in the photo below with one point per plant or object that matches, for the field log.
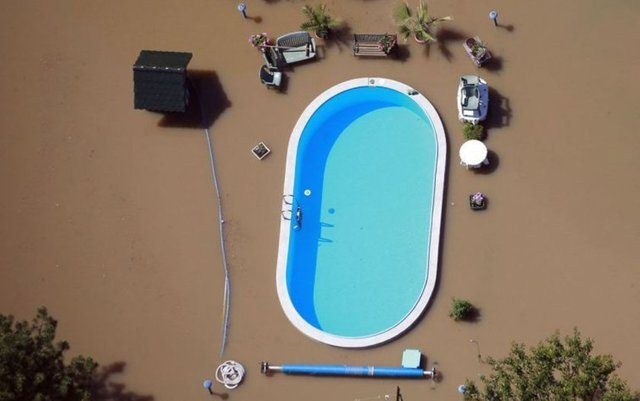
(360, 228)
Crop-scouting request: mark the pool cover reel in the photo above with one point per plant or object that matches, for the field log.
(345, 370)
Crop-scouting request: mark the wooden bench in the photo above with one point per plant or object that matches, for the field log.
(371, 44)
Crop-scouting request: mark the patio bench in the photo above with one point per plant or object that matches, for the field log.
(370, 44)
(296, 47)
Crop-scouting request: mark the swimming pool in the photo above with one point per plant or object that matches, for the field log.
(359, 236)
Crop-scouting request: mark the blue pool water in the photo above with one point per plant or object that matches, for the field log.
(357, 264)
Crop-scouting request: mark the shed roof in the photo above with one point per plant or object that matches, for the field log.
(161, 60)
(160, 81)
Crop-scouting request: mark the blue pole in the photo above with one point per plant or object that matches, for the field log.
(345, 370)
(242, 7)
(208, 385)
(493, 16)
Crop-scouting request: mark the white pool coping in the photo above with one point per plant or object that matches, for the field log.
(436, 216)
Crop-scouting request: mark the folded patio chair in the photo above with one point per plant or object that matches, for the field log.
(272, 58)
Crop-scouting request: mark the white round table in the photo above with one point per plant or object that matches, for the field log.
(473, 154)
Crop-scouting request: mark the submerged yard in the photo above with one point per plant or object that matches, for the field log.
(109, 216)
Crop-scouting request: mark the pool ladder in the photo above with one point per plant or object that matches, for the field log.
(288, 213)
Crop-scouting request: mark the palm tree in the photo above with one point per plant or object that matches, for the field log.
(318, 20)
(420, 25)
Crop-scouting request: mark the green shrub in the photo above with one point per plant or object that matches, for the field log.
(471, 131)
(33, 365)
(460, 309)
(555, 369)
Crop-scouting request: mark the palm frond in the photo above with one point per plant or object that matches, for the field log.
(307, 11)
(405, 31)
(333, 23)
(402, 12)
(422, 12)
(318, 18)
(308, 26)
(442, 19)
(425, 36)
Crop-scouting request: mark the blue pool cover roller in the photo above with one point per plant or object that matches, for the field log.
(345, 370)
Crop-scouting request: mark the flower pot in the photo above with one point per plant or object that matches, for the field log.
(477, 204)
(321, 34)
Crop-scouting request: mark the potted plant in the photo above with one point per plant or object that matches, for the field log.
(477, 201)
(420, 24)
(387, 43)
(318, 20)
(259, 40)
(472, 131)
(478, 49)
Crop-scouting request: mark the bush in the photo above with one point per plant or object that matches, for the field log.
(555, 369)
(460, 309)
(33, 365)
(471, 131)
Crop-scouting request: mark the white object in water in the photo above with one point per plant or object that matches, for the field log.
(473, 99)
(473, 154)
(230, 373)
(411, 358)
(307, 192)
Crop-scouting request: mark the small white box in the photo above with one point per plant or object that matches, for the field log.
(411, 358)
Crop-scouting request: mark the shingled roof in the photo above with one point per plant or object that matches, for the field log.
(160, 81)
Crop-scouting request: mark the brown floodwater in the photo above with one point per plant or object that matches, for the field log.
(109, 215)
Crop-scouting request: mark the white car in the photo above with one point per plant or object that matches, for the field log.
(473, 99)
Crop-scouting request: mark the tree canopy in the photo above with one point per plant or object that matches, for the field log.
(32, 366)
(555, 369)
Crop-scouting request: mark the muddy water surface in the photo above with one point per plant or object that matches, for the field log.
(108, 213)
